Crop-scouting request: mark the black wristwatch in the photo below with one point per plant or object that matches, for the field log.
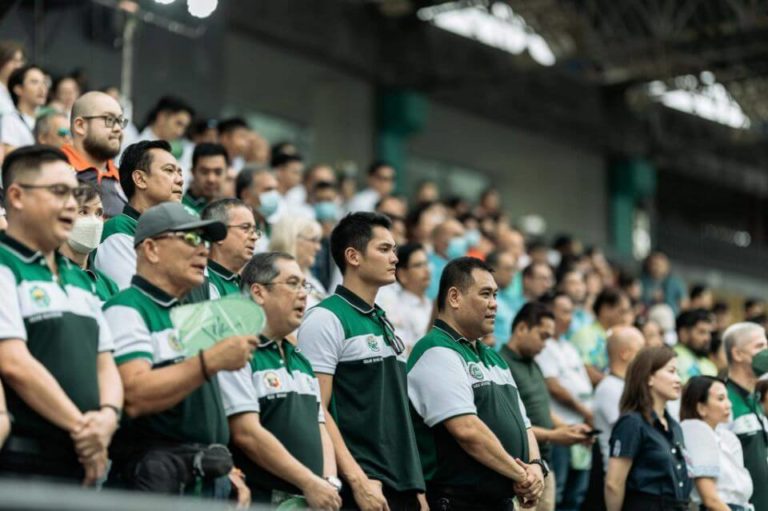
(542, 464)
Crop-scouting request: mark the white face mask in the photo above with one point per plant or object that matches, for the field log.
(86, 234)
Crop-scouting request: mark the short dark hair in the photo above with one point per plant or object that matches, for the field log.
(458, 274)
(8, 49)
(492, 259)
(696, 391)
(280, 159)
(169, 104)
(751, 302)
(219, 209)
(689, 318)
(609, 297)
(376, 165)
(200, 126)
(720, 307)
(531, 315)
(405, 252)
(697, 290)
(206, 150)
(528, 270)
(231, 124)
(355, 230)
(261, 268)
(244, 179)
(29, 159)
(138, 156)
(18, 77)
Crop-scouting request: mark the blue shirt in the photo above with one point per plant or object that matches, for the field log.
(508, 304)
(658, 455)
(437, 264)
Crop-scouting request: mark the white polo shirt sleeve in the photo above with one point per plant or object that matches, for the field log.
(116, 258)
(703, 449)
(11, 322)
(238, 393)
(439, 388)
(129, 333)
(321, 339)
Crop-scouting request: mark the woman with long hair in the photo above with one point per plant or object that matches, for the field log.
(647, 469)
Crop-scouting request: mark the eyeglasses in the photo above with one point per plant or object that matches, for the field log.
(191, 238)
(109, 120)
(63, 132)
(247, 229)
(294, 285)
(60, 190)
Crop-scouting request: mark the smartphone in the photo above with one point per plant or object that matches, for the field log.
(594, 432)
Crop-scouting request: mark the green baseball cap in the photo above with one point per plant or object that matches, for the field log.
(174, 217)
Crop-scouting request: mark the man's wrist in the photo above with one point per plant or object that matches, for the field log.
(118, 413)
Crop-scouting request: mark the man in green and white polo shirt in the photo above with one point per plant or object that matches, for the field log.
(273, 404)
(209, 171)
(230, 255)
(360, 364)
(149, 175)
(470, 422)
(63, 388)
(742, 341)
(171, 401)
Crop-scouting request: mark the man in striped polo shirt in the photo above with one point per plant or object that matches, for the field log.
(149, 175)
(230, 255)
(360, 364)
(470, 422)
(63, 388)
(173, 402)
(274, 404)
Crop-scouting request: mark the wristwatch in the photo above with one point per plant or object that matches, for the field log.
(542, 464)
(335, 482)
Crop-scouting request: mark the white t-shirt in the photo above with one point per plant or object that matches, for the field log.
(6, 103)
(717, 453)
(410, 314)
(16, 129)
(606, 410)
(364, 201)
(560, 360)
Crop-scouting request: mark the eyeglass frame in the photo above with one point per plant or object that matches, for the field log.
(72, 191)
(306, 286)
(252, 228)
(109, 120)
(182, 235)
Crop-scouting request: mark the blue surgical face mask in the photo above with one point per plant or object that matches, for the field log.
(326, 211)
(269, 202)
(457, 247)
(473, 237)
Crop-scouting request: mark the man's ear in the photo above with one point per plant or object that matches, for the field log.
(257, 293)
(139, 179)
(352, 257)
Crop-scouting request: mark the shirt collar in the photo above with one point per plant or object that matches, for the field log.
(355, 301)
(157, 295)
(221, 271)
(266, 342)
(130, 211)
(374, 312)
(193, 199)
(80, 164)
(28, 255)
(446, 328)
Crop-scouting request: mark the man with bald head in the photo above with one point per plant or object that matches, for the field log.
(448, 242)
(623, 344)
(97, 124)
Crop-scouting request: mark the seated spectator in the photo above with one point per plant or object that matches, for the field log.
(11, 58)
(52, 128)
(234, 135)
(590, 341)
(63, 389)
(149, 175)
(647, 470)
(289, 172)
(694, 336)
(660, 285)
(448, 242)
(65, 92)
(573, 283)
(279, 436)
(257, 187)
(504, 269)
(173, 401)
(97, 125)
(84, 238)
(392, 206)
(421, 221)
(716, 462)
(406, 302)
(28, 90)
(209, 168)
(324, 200)
(743, 342)
(168, 120)
(571, 396)
(301, 238)
(229, 256)
(381, 183)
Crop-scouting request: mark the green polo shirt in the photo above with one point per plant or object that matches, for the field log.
(222, 281)
(59, 318)
(196, 204)
(533, 391)
(449, 376)
(140, 320)
(346, 337)
(105, 287)
(283, 390)
(749, 425)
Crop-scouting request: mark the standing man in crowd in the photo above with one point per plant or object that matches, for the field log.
(29, 91)
(258, 189)
(229, 256)
(209, 169)
(360, 363)
(149, 175)
(610, 307)
(52, 128)
(694, 335)
(173, 401)
(471, 424)
(742, 342)
(97, 125)
(381, 183)
(63, 389)
(274, 403)
(448, 242)
(168, 120)
(234, 135)
(537, 282)
(504, 268)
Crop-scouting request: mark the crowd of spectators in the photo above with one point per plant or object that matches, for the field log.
(624, 390)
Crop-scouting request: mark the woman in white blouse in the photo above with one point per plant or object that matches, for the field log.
(716, 461)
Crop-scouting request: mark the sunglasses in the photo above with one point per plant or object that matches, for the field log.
(191, 238)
